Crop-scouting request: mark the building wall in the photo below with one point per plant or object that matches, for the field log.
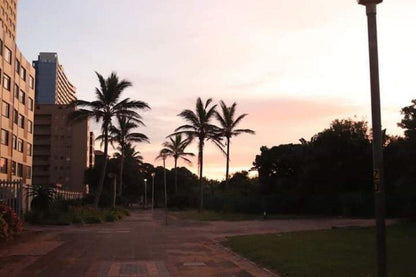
(61, 148)
(17, 97)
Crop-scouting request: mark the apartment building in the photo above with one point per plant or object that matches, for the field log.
(17, 79)
(62, 149)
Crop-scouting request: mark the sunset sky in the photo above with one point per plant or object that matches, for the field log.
(293, 66)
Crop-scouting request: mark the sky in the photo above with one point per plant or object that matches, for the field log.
(293, 66)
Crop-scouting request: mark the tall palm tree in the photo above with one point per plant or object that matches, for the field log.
(175, 148)
(199, 126)
(106, 106)
(228, 124)
(123, 135)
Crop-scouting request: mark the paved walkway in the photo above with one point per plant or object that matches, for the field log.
(141, 245)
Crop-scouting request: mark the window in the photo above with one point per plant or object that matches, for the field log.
(14, 168)
(16, 91)
(28, 172)
(30, 103)
(19, 170)
(21, 121)
(16, 117)
(30, 127)
(31, 82)
(4, 137)
(14, 142)
(6, 82)
(20, 145)
(5, 110)
(1, 47)
(8, 55)
(17, 66)
(22, 97)
(3, 165)
(29, 149)
(23, 73)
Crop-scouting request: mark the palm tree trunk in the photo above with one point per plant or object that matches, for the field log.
(120, 190)
(201, 163)
(176, 176)
(103, 169)
(227, 167)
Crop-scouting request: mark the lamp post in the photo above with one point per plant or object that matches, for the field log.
(166, 193)
(378, 170)
(153, 189)
(145, 194)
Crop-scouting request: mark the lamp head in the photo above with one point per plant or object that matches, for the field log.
(145, 180)
(369, 2)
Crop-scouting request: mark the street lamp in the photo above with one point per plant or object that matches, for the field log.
(153, 189)
(378, 170)
(145, 193)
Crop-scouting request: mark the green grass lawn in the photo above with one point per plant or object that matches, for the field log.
(216, 216)
(341, 252)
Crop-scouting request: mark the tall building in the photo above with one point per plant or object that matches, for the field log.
(52, 85)
(17, 78)
(61, 148)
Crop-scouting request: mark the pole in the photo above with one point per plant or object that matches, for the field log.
(145, 194)
(114, 191)
(153, 191)
(378, 170)
(166, 194)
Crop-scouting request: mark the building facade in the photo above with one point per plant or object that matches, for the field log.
(62, 149)
(17, 77)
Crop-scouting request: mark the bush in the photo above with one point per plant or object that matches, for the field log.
(4, 229)
(111, 216)
(93, 219)
(10, 223)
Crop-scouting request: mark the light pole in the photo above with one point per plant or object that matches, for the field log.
(153, 189)
(145, 194)
(378, 167)
(166, 194)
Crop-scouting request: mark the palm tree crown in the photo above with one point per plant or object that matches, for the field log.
(175, 148)
(228, 124)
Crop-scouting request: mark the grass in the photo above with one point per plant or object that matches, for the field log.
(229, 216)
(341, 252)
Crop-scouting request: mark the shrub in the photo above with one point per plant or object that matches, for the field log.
(10, 221)
(93, 219)
(42, 197)
(4, 229)
(111, 216)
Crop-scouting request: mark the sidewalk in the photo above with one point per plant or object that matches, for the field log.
(142, 245)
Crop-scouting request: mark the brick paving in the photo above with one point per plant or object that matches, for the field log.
(142, 246)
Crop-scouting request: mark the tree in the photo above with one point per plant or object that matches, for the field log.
(409, 121)
(229, 129)
(199, 126)
(106, 106)
(175, 148)
(123, 135)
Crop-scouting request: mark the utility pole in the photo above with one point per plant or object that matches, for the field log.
(378, 165)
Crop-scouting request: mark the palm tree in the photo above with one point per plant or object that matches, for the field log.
(199, 126)
(175, 148)
(123, 135)
(228, 129)
(104, 108)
